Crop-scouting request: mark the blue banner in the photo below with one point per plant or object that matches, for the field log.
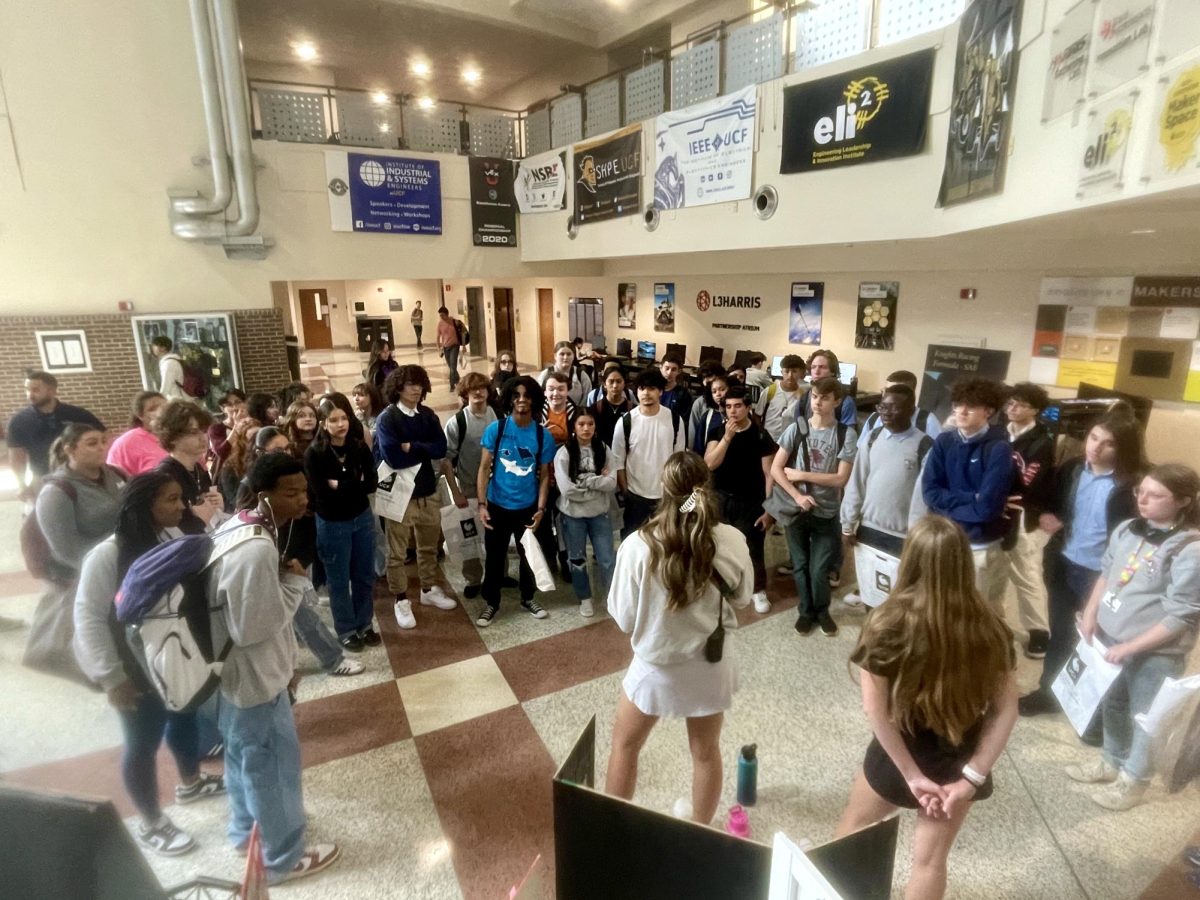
(390, 194)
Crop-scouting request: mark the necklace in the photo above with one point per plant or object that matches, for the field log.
(340, 457)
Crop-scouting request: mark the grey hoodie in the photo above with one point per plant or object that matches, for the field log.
(73, 527)
(588, 495)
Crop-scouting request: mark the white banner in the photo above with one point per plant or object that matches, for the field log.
(705, 153)
(1175, 139)
(1120, 43)
(541, 182)
(1105, 140)
(1068, 60)
(1078, 291)
(1180, 29)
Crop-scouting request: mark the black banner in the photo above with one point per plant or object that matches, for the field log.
(608, 177)
(874, 113)
(985, 84)
(493, 205)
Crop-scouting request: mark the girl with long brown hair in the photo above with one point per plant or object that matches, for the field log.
(299, 423)
(678, 580)
(938, 688)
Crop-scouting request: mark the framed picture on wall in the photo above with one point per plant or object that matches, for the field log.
(627, 304)
(63, 352)
(203, 340)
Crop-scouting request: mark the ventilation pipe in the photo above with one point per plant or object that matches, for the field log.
(210, 91)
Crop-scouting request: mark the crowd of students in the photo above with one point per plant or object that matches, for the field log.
(968, 506)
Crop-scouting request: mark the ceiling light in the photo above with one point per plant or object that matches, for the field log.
(306, 50)
(420, 68)
(471, 76)
(381, 97)
(1143, 231)
(425, 102)
(385, 128)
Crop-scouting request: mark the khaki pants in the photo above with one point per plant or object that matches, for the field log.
(991, 571)
(1024, 569)
(424, 517)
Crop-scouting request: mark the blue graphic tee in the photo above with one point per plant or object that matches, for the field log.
(514, 484)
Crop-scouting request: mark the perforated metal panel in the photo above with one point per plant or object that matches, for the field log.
(644, 97)
(492, 134)
(566, 120)
(537, 131)
(364, 123)
(696, 75)
(754, 53)
(835, 29)
(603, 101)
(899, 19)
(293, 116)
(434, 130)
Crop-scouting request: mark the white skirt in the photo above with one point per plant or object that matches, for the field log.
(681, 690)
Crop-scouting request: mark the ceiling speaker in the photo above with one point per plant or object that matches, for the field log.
(766, 201)
(651, 217)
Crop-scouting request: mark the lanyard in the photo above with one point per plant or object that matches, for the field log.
(1135, 562)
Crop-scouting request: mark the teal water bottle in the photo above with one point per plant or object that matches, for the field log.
(747, 775)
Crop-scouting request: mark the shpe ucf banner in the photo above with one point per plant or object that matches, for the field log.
(608, 176)
(863, 116)
(388, 194)
(493, 206)
(705, 153)
(541, 182)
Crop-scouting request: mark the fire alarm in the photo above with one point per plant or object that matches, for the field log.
(448, 288)
(966, 294)
(125, 305)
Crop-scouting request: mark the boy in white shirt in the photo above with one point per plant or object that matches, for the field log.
(774, 409)
(643, 440)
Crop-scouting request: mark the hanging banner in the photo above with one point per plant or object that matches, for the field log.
(493, 206)
(1113, 290)
(944, 365)
(1175, 144)
(664, 306)
(608, 176)
(1180, 29)
(541, 182)
(389, 194)
(875, 328)
(1120, 42)
(1166, 290)
(870, 114)
(705, 153)
(1068, 60)
(985, 80)
(807, 311)
(1105, 140)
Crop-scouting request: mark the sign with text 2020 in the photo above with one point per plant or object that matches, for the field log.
(385, 194)
(705, 153)
(879, 112)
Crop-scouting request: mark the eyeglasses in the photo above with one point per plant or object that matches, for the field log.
(887, 407)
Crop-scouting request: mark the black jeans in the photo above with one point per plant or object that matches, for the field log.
(1068, 587)
(506, 524)
(742, 513)
(638, 511)
(145, 726)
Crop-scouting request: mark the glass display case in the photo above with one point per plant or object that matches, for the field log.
(204, 340)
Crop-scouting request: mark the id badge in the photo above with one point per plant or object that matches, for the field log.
(1111, 600)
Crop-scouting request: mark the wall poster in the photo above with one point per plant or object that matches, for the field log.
(1174, 147)
(1180, 29)
(64, 352)
(608, 176)
(384, 194)
(875, 113)
(664, 306)
(1105, 140)
(205, 340)
(705, 153)
(945, 365)
(541, 182)
(627, 304)
(1068, 60)
(1120, 43)
(807, 308)
(493, 205)
(985, 80)
(875, 327)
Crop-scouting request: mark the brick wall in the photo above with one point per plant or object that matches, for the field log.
(115, 378)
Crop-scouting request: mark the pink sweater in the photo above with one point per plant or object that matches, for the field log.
(136, 451)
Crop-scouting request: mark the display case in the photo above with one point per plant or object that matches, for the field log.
(205, 340)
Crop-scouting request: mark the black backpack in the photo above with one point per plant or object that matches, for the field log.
(627, 425)
(460, 329)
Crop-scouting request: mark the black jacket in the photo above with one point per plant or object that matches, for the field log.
(1033, 457)
(341, 484)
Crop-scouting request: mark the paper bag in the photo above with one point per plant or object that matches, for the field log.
(394, 491)
(463, 532)
(537, 561)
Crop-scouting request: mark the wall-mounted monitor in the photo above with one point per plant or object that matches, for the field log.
(777, 366)
(1154, 367)
(848, 372)
(647, 350)
(624, 347)
(679, 350)
(711, 354)
(741, 359)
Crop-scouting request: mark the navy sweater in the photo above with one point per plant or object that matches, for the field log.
(969, 481)
(423, 432)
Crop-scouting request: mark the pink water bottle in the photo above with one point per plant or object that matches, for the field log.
(739, 822)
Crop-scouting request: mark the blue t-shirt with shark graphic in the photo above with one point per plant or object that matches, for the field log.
(514, 484)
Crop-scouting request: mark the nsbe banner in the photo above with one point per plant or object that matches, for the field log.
(705, 153)
(387, 194)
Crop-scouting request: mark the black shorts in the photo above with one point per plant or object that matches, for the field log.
(940, 763)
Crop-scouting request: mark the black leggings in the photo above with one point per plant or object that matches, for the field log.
(506, 524)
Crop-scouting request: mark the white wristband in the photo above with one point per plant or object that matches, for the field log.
(974, 777)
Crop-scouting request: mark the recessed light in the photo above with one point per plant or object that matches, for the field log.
(1143, 231)
(471, 76)
(425, 102)
(306, 50)
(421, 68)
(381, 97)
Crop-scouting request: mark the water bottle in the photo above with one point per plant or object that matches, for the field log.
(739, 822)
(747, 775)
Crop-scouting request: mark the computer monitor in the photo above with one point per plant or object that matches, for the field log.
(711, 354)
(624, 347)
(599, 343)
(849, 371)
(679, 350)
(647, 350)
(741, 359)
(777, 366)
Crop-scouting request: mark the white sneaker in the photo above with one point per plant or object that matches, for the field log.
(1094, 771)
(435, 596)
(853, 599)
(404, 614)
(586, 609)
(348, 667)
(1122, 794)
(682, 808)
(784, 570)
(762, 605)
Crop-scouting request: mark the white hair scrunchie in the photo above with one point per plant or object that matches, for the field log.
(690, 503)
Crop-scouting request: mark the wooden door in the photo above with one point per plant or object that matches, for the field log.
(506, 338)
(314, 319)
(475, 322)
(546, 325)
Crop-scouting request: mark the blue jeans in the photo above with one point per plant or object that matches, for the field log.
(262, 777)
(1126, 744)
(144, 727)
(348, 551)
(313, 634)
(451, 354)
(811, 541)
(576, 533)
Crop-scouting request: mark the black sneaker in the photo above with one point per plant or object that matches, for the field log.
(164, 838)
(205, 786)
(370, 637)
(1037, 703)
(804, 624)
(471, 591)
(828, 626)
(1038, 642)
(485, 617)
(534, 608)
(352, 643)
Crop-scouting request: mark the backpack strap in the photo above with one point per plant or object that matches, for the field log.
(802, 431)
(771, 392)
(923, 420)
(627, 427)
(874, 436)
(923, 449)
(841, 436)
(499, 438)
(460, 420)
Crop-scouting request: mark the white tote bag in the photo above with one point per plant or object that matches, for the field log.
(463, 532)
(876, 573)
(394, 491)
(537, 561)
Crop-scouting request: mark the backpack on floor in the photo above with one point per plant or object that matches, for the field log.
(39, 559)
(168, 615)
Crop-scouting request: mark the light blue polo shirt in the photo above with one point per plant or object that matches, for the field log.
(1089, 519)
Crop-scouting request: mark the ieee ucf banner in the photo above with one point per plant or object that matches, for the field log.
(608, 176)
(391, 194)
(541, 183)
(493, 207)
(985, 82)
(705, 153)
(863, 116)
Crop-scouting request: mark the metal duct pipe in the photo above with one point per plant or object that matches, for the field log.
(210, 90)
